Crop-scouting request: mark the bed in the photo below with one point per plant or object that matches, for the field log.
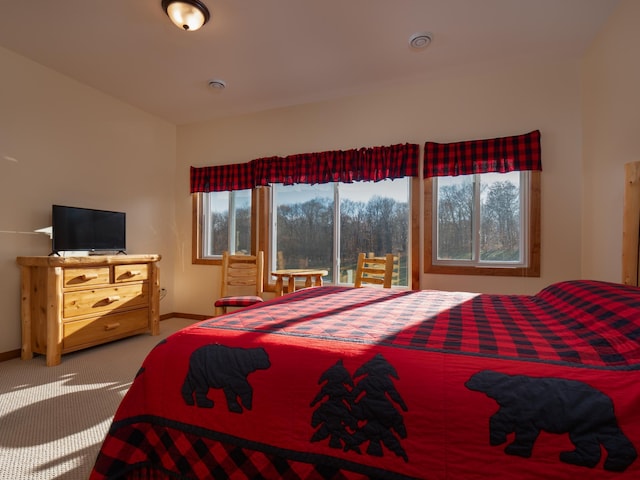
(344, 383)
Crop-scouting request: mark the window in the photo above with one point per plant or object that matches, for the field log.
(222, 221)
(314, 226)
(480, 219)
(371, 167)
(327, 225)
(226, 218)
(485, 224)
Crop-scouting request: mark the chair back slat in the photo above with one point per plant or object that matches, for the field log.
(375, 270)
(241, 275)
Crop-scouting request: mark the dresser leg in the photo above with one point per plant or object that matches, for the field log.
(54, 316)
(25, 312)
(53, 358)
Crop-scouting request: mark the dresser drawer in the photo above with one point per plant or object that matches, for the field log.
(130, 273)
(82, 333)
(101, 300)
(78, 277)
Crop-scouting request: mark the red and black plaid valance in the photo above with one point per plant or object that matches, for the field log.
(505, 154)
(363, 164)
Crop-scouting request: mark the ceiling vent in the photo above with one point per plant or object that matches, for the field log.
(420, 40)
(218, 84)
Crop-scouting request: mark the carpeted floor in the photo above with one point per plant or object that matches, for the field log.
(53, 419)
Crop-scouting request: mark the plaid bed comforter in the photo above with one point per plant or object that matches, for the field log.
(341, 383)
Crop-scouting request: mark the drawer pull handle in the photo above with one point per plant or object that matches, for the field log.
(112, 298)
(133, 273)
(111, 326)
(89, 276)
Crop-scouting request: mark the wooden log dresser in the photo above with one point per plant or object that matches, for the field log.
(71, 303)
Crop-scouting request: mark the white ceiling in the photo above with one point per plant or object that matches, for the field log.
(276, 53)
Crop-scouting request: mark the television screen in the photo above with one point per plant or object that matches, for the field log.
(85, 229)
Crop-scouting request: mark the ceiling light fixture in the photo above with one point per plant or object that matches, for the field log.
(186, 14)
(420, 40)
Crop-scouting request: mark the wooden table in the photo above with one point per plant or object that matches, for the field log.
(312, 277)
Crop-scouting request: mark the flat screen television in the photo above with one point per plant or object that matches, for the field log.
(86, 229)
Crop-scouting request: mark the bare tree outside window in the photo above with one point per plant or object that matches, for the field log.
(227, 222)
(311, 232)
(479, 218)
(500, 220)
(321, 226)
(455, 218)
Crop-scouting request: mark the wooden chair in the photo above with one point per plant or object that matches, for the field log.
(242, 281)
(375, 270)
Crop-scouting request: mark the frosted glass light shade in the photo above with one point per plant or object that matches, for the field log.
(186, 14)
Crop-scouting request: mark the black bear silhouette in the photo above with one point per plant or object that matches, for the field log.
(219, 366)
(555, 405)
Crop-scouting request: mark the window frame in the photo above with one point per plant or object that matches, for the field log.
(197, 229)
(532, 269)
(264, 226)
(261, 230)
(337, 192)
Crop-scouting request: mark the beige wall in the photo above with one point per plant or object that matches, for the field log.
(467, 105)
(62, 142)
(611, 137)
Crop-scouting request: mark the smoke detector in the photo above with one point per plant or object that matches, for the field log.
(218, 84)
(420, 40)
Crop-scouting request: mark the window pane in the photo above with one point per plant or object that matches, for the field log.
(374, 219)
(227, 222)
(216, 223)
(504, 238)
(500, 230)
(240, 222)
(304, 226)
(455, 218)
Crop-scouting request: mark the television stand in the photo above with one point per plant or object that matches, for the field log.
(71, 303)
(93, 253)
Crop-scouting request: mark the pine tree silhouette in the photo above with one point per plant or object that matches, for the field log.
(334, 414)
(373, 396)
(352, 414)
